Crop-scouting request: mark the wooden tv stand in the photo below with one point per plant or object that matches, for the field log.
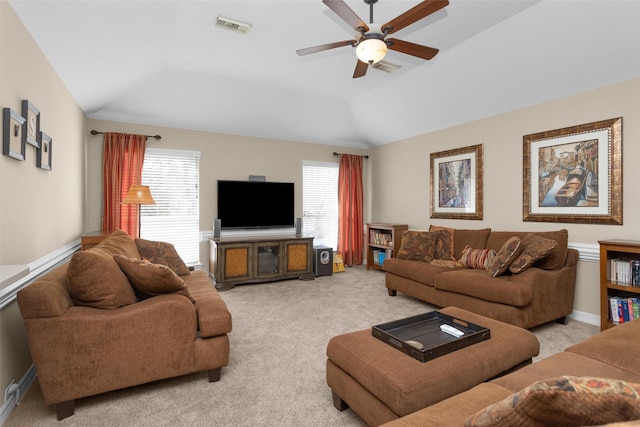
(256, 259)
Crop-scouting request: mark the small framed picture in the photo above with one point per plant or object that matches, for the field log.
(456, 183)
(32, 125)
(13, 144)
(45, 151)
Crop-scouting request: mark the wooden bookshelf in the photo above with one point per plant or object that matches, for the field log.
(611, 285)
(385, 238)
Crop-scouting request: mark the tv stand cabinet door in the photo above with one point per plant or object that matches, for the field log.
(299, 257)
(234, 262)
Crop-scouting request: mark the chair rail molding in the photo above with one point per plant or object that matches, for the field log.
(37, 269)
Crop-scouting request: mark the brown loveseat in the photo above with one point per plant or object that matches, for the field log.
(571, 388)
(539, 294)
(93, 328)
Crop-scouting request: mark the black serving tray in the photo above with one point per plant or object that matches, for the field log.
(425, 329)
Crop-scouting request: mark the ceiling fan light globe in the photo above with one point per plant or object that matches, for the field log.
(371, 50)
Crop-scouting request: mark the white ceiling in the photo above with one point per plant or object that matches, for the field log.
(164, 63)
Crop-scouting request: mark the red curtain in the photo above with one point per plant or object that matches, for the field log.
(350, 205)
(122, 167)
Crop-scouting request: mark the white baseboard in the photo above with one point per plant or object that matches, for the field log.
(581, 316)
(13, 399)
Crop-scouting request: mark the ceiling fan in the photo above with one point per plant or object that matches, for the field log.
(372, 42)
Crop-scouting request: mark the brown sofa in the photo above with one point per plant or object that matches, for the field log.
(90, 330)
(541, 293)
(533, 396)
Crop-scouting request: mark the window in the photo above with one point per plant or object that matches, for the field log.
(172, 177)
(320, 202)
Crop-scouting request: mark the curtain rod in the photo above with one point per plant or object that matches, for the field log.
(95, 132)
(340, 154)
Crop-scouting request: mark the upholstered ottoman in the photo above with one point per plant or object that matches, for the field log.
(381, 383)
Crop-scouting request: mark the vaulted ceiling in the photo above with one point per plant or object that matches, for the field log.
(165, 63)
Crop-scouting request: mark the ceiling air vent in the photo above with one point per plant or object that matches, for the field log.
(232, 25)
(385, 66)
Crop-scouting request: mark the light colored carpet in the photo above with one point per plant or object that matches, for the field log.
(276, 375)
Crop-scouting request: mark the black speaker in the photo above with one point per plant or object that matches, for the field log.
(322, 261)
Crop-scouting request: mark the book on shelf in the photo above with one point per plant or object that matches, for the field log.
(378, 238)
(624, 272)
(623, 309)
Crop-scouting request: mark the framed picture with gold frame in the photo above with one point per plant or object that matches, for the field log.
(13, 144)
(456, 183)
(32, 123)
(574, 174)
(45, 149)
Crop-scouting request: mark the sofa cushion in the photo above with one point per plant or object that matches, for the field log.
(474, 238)
(162, 253)
(95, 280)
(613, 347)
(565, 401)
(150, 279)
(118, 242)
(417, 246)
(477, 258)
(554, 259)
(533, 248)
(418, 271)
(511, 249)
(444, 242)
(477, 284)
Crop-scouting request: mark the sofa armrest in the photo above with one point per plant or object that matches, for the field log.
(553, 292)
(88, 351)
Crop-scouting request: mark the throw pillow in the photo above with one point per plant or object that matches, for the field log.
(151, 279)
(565, 401)
(477, 258)
(444, 242)
(417, 246)
(534, 248)
(95, 280)
(162, 253)
(511, 249)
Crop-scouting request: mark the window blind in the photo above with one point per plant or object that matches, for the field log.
(320, 202)
(173, 178)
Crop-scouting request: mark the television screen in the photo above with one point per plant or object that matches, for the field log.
(255, 204)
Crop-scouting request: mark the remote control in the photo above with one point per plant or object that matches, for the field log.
(451, 331)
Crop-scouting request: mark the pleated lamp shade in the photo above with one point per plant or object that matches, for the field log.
(139, 195)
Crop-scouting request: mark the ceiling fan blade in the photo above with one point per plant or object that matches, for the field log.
(413, 49)
(361, 69)
(341, 9)
(414, 14)
(322, 47)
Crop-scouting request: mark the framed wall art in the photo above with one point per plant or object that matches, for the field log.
(456, 183)
(13, 144)
(32, 125)
(574, 174)
(44, 155)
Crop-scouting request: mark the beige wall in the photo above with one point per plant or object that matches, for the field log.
(40, 211)
(402, 170)
(222, 157)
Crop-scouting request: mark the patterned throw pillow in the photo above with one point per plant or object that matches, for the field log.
(565, 401)
(150, 279)
(162, 253)
(534, 248)
(511, 249)
(417, 246)
(444, 242)
(477, 258)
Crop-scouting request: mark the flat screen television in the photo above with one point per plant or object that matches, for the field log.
(255, 204)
